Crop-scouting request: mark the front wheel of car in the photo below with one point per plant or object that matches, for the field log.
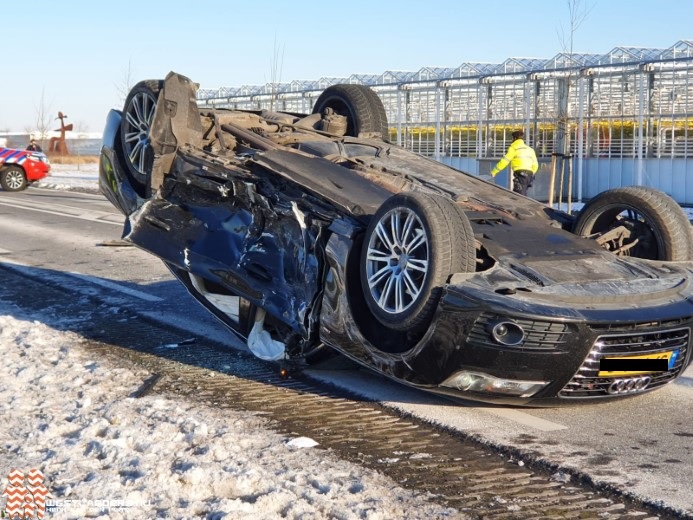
(637, 221)
(135, 132)
(364, 112)
(13, 178)
(413, 243)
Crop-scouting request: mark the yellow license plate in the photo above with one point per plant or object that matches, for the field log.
(618, 373)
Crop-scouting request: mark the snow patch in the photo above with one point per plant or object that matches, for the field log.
(109, 455)
(302, 442)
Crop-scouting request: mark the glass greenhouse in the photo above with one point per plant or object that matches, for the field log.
(596, 121)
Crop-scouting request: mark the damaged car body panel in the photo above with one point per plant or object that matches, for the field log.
(302, 232)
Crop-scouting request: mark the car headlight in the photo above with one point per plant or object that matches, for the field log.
(467, 380)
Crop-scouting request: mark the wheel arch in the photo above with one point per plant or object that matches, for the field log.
(19, 166)
(666, 220)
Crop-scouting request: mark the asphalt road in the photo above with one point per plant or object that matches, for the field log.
(642, 445)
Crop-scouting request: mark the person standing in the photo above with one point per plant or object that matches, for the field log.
(33, 146)
(523, 162)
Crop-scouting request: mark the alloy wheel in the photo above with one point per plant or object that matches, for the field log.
(138, 121)
(397, 260)
(15, 179)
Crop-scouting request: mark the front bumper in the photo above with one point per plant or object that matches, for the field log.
(557, 361)
(37, 167)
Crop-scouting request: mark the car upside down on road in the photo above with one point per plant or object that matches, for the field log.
(311, 233)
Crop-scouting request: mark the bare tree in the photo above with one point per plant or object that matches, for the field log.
(43, 120)
(577, 13)
(124, 85)
(276, 64)
(81, 126)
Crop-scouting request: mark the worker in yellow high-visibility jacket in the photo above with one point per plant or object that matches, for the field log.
(523, 161)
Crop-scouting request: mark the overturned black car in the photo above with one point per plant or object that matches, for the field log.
(306, 234)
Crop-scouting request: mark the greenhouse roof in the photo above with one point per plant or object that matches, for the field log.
(513, 65)
(394, 76)
(303, 84)
(363, 79)
(630, 54)
(565, 60)
(429, 73)
(681, 49)
(473, 69)
(519, 65)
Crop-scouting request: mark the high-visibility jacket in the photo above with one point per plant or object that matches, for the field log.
(520, 157)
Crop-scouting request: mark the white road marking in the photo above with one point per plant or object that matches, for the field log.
(68, 193)
(104, 217)
(4, 251)
(108, 284)
(116, 287)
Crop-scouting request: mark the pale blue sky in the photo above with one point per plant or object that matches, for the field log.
(77, 52)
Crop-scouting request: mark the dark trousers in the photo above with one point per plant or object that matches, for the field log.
(522, 181)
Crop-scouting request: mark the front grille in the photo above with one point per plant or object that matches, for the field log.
(621, 328)
(587, 383)
(539, 335)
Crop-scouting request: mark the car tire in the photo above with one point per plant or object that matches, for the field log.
(135, 129)
(413, 243)
(13, 178)
(361, 106)
(379, 111)
(662, 228)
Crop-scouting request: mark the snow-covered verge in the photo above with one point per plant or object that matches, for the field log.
(83, 177)
(72, 416)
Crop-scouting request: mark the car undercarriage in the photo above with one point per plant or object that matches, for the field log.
(311, 233)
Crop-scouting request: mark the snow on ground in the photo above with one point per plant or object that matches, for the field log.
(71, 415)
(83, 177)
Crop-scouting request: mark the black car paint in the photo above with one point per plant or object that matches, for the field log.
(289, 245)
(445, 346)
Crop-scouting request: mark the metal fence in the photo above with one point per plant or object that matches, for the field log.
(625, 117)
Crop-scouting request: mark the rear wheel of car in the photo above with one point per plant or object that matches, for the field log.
(13, 178)
(135, 128)
(653, 226)
(361, 106)
(414, 242)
